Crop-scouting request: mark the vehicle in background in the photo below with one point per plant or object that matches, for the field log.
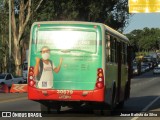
(143, 69)
(146, 66)
(148, 60)
(8, 79)
(135, 69)
(156, 70)
(158, 57)
(25, 67)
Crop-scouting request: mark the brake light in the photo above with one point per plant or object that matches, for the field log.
(31, 80)
(100, 79)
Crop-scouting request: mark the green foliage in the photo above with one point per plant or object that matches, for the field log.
(3, 29)
(111, 12)
(146, 39)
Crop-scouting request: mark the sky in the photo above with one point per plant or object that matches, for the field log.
(142, 20)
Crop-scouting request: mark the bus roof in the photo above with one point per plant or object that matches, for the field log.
(109, 29)
(117, 34)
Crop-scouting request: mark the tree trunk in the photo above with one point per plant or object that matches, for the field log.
(5, 64)
(18, 29)
(17, 58)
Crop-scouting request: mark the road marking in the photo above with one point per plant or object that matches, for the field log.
(147, 107)
(13, 100)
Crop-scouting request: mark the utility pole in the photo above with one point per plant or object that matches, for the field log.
(9, 36)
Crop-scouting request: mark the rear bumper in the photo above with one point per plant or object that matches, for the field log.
(64, 95)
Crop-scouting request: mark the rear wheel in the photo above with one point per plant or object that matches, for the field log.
(127, 91)
(120, 105)
(103, 109)
(113, 100)
(108, 109)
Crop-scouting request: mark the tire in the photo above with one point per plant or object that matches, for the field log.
(113, 102)
(103, 109)
(120, 105)
(127, 91)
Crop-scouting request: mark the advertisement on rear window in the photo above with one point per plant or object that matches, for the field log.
(65, 59)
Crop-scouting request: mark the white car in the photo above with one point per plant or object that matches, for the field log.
(156, 70)
(8, 79)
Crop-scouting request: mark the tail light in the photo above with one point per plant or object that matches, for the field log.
(100, 79)
(31, 79)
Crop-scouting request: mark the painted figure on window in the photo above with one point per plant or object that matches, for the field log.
(44, 69)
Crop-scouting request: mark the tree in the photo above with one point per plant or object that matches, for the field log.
(19, 22)
(111, 12)
(134, 37)
(146, 39)
(25, 12)
(3, 36)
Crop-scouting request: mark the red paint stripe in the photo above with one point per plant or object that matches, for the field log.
(78, 95)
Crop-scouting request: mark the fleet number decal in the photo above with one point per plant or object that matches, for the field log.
(65, 94)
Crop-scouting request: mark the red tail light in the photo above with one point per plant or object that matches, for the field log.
(31, 79)
(100, 79)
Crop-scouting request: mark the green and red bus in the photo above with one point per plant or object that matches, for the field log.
(71, 63)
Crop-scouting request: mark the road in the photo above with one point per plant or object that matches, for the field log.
(145, 96)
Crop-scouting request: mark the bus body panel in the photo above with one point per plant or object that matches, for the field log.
(79, 69)
(66, 95)
(76, 80)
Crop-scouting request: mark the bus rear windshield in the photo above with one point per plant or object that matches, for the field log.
(85, 41)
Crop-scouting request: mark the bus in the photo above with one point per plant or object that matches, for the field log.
(72, 63)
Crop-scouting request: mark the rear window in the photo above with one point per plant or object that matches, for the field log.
(85, 41)
(2, 76)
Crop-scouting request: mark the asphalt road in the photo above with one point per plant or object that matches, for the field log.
(144, 100)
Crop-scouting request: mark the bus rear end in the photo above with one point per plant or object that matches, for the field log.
(81, 74)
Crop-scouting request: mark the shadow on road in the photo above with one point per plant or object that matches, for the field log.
(133, 105)
(145, 104)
